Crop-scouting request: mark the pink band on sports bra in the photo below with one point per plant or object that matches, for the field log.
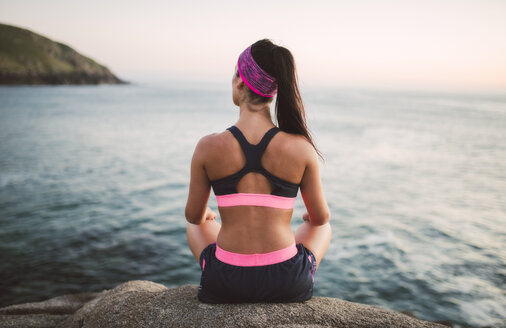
(247, 260)
(255, 199)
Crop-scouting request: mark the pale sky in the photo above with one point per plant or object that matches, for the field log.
(457, 45)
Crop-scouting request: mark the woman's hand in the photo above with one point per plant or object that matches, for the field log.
(305, 217)
(210, 214)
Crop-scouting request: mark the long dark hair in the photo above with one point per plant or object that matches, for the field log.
(289, 109)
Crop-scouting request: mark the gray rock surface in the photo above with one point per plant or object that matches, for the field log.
(43, 314)
(142, 303)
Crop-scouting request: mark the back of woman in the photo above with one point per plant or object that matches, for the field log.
(256, 170)
(256, 229)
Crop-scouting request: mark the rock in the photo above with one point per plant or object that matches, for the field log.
(142, 303)
(43, 314)
(66, 304)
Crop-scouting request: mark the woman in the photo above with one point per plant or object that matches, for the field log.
(255, 170)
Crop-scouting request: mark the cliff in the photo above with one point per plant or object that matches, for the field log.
(147, 304)
(29, 58)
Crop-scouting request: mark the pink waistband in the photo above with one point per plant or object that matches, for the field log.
(247, 260)
(255, 199)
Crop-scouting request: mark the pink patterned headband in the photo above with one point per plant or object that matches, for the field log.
(255, 77)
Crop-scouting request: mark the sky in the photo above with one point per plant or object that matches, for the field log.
(451, 45)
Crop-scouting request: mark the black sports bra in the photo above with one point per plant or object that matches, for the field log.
(283, 192)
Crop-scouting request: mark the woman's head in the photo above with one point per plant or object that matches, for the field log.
(254, 68)
(268, 70)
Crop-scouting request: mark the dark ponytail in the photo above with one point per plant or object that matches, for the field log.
(279, 62)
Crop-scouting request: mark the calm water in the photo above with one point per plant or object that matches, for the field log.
(93, 184)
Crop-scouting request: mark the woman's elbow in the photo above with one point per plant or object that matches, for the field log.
(322, 219)
(192, 218)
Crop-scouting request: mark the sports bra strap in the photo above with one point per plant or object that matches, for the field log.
(266, 139)
(239, 136)
(252, 152)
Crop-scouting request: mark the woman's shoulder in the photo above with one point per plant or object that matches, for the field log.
(285, 143)
(213, 141)
(296, 143)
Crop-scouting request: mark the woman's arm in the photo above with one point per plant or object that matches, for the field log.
(312, 192)
(196, 210)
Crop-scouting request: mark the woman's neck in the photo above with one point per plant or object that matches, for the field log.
(255, 116)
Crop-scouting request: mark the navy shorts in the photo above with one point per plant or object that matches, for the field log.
(287, 281)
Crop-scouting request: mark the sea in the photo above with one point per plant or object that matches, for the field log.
(94, 182)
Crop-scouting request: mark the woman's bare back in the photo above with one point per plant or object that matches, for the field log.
(256, 229)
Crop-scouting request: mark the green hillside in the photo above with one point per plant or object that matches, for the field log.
(29, 58)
